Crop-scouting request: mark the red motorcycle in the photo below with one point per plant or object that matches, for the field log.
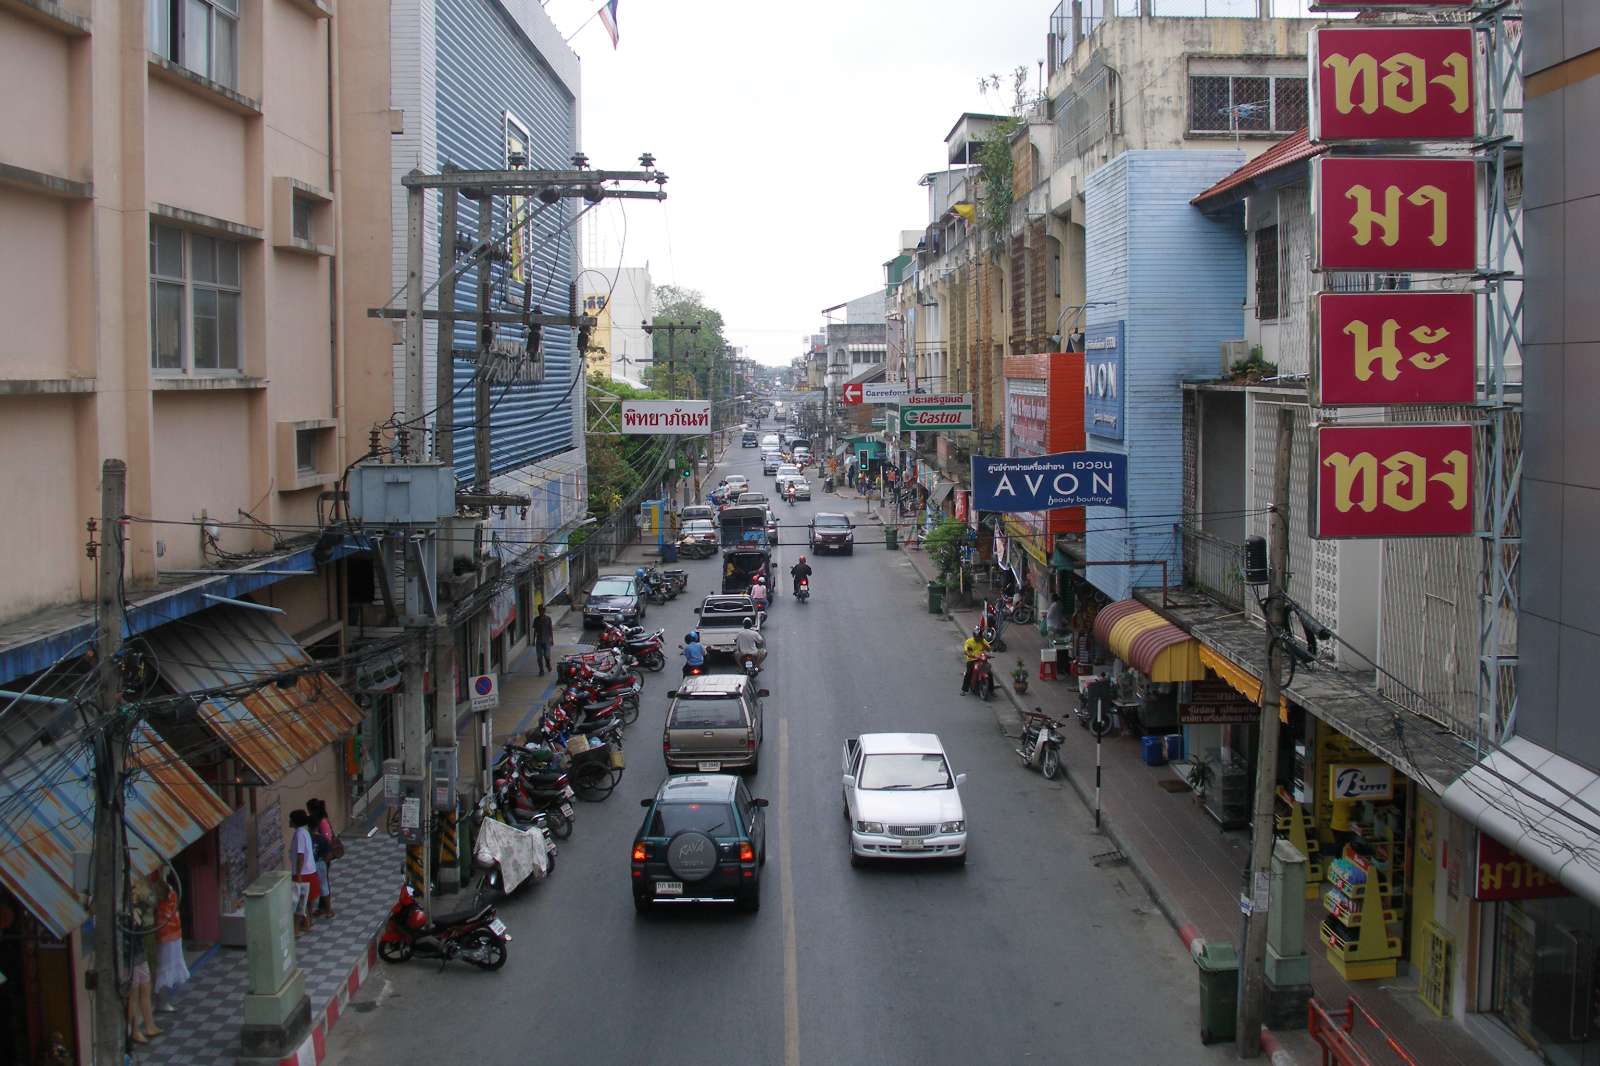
(646, 647)
(982, 678)
(474, 935)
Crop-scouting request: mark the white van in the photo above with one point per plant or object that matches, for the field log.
(769, 442)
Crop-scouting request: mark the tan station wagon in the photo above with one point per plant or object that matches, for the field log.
(714, 725)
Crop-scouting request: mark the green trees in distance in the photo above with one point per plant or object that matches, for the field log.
(617, 465)
(697, 353)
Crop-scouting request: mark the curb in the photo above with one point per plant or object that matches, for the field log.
(1188, 933)
(314, 1048)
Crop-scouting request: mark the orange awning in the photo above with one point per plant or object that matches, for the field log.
(1243, 682)
(1148, 643)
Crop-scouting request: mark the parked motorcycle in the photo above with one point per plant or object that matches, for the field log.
(500, 874)
(474, 935)
(646, 647)
(1041, 743)
(802, 591)
(529, 784)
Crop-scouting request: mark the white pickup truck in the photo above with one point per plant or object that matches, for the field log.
(901, 800)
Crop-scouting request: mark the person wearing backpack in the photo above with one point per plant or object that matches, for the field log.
(328, 848)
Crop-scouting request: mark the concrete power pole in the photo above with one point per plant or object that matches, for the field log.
(1252, 986)
(110, 752)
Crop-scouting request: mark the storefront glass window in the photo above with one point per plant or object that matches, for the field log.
(1544, 977)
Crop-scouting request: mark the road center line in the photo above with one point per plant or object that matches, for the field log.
(791, 975)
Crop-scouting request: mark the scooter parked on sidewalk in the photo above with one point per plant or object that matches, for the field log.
(474, 935)
(1041, 743)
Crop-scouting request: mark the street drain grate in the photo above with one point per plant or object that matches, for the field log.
(1109, 858)
(1173, 786)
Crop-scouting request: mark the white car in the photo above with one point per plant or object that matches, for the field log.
(802, 488)
(738, 481)
(901, 800)
(786, 471)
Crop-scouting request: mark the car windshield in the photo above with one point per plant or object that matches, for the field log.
(699, 526)
(707, 712)
(904, 771)
(613, 586)
(673, 818)
(788, 468)
(832, 521)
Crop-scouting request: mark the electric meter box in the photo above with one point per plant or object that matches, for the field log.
(444, 779)
(401, 494)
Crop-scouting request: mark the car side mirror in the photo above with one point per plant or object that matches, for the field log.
(760, 802)
(697, 610)
(672, 693)
(646, 802)
(763, 693)
(961, 779)
(849, 780)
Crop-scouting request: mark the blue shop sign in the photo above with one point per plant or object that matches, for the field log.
(1102, 379)
(1047, 482)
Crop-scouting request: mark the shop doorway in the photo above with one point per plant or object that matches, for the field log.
(1545, 988)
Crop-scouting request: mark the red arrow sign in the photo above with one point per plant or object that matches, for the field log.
(851, 393)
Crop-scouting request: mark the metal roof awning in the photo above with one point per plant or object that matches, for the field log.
(941, 492)
(1148, 643)
(271, 729)
(49, 797)
(1542, 806)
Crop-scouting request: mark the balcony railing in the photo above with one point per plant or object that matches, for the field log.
(1213, 565)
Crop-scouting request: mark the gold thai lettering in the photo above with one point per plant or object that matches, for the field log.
(1403, 88)
(1364, 217)
(1511, 874)
(1404, 484)
(1346, 473)
(1490, 877)
(1388, 353)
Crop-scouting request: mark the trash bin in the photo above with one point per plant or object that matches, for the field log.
(891, 538)
(1219, 991)
(669, 552)
(935, 598)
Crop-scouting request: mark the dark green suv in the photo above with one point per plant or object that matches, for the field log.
(704, 840)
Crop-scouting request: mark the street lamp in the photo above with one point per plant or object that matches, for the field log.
(1056, 337)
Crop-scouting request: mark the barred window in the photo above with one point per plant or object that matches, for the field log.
(1234, 103)
(1267, 273)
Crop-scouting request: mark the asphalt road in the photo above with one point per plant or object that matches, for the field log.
(1029, 954)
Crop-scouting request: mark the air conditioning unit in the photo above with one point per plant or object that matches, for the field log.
(1236, 351)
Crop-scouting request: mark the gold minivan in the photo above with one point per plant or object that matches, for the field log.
(714, 725)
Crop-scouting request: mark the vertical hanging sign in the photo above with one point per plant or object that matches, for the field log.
(1394, 481)
(1393, 83)
(1395, 214)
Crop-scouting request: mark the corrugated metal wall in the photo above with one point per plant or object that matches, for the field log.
(486, 69)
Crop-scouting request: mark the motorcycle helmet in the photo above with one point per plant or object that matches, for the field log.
(416, 919)
(692, 637)
(749, 623)
(802, 559)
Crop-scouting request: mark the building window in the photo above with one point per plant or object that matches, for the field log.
(305, 451)
(1239, 103)
(194, 301)
(203, 35)
(1267, 273)
(302, 228)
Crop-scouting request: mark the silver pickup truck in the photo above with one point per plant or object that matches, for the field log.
(721, 619)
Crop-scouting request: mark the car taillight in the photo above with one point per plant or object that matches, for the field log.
(666, 743)
(749, 742)
(747, 851)
(639, 853)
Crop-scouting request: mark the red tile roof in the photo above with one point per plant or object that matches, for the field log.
(1287, 152)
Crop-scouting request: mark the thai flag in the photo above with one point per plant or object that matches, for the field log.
(608, 17)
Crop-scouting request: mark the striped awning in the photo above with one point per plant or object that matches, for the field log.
(271, 729)
(48, 799)
(1241, 680)
(1148, 643)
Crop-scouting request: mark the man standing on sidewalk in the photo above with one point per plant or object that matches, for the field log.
(544, 635)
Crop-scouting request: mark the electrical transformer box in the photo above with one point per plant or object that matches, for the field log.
(402, 494)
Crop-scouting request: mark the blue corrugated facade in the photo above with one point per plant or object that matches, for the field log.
(1174, 277)
(488, 72)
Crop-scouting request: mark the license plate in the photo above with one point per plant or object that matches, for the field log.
(909, 844)
(566, 809)
(669, 888)
(566, 790)
(498, 926)
(710, 767)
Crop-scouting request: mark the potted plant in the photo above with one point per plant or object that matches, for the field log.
(1199, 777)
(1019, 677)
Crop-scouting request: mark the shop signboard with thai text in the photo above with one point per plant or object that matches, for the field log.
(936, 414)
(1392, 83)
(1396, 213)
(1066, 479)
(1382, 348)
(1394, 481)
(1103, 364)
(1027, 426)
(1503, 874)
(674, 417)
(1214, 703)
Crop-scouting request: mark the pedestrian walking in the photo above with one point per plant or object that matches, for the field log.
(172, 970)
(544, 637)
(327, 847)
(140, 1014)
(303, 867)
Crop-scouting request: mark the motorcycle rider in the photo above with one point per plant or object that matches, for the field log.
(758, 593)
(788, 491)
(800, 570)
(751, 644)
(694, 653)
(974, 649)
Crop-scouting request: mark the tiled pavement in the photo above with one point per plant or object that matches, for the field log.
(205, 1029)
(1193, 868)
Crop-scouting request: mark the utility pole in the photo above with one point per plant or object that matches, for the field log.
(1252, 981)
(444, 645)
(111, 747)
(480, 388)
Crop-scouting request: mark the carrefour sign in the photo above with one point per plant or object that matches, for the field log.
(936, 413)
(1102, 379)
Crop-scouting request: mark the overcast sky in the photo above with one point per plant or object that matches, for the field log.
(793, 134)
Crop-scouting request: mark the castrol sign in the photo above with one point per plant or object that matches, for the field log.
(930, 414)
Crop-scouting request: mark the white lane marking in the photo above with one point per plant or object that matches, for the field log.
(791, 975)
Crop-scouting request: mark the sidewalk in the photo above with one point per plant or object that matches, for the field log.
(335, 956)
(1192, 868)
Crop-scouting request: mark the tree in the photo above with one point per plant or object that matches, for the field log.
(617, 465)
(697, 352)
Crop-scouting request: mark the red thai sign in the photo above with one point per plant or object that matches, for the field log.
(1394, 481)
(1398, 214)
(1377, 348)
(1503, 874)
(1393, 83)
(1359, 5)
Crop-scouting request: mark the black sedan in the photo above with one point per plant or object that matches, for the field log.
(703, 840)
(832, 532)
(614, 598)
